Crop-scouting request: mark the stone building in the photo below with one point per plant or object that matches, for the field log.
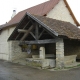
(55, 9)
(54, 40)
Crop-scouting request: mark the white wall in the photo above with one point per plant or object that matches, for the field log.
(60, 12)
(10, 50)
(4, 50)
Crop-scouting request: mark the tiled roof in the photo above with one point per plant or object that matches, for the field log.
(63, 29)
(41, 9)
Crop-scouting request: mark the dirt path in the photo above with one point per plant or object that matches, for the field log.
(10, 71)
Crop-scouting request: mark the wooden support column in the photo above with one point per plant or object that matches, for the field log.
(36, 32)
(60, 54)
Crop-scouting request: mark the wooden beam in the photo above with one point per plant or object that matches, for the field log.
(41, 34)
(40, 41)
(44, 25)
(33, 35)
(22, 30)
(26, 34)
(36, 31)
(26, 25)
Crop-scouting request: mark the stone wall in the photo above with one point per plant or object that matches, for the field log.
(60, 12)
(72, 47)
(60, 53)
(15, 51)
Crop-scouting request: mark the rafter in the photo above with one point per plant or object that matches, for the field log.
(41, 33)
(33, 35)
(23, 28)
(26, 34)
(44, 25)
(24, 31)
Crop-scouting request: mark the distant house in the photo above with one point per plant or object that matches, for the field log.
(55, 9)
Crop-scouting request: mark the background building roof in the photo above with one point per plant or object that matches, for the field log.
(41, 9)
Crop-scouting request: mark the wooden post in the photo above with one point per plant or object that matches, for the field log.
(36, 32)
(60, 54)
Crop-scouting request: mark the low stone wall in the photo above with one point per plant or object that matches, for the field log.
(70, 59)
(43, 63)
(15, 51)
(46, 56)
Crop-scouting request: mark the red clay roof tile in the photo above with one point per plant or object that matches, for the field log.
(41, 9)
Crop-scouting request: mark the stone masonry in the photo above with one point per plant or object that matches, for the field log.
(15, 51)
(60, 54)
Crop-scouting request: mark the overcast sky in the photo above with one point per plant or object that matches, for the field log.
(7, 6)
(75, 6)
